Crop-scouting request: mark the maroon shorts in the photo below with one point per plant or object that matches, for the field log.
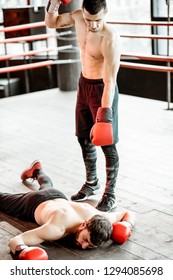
(88, 101)
(22, 206)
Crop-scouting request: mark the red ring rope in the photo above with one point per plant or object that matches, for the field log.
(139, 66)
(22, 26)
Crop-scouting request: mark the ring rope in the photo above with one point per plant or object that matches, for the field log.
(148, 67)
(26, 38)
(123, 55)
(42, 23)
(153, 37)
(34, 52)
(36, 65)
(22, 26)
(150, 23)
(131, 65)
(159, 58)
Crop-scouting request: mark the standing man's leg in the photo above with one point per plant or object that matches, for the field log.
(88, 102)
(84, 122)
(89, 157)
(91, 185)
(108, 201)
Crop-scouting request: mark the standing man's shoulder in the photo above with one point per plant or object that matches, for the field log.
(111, 43)
(111, 34)
(77, 15)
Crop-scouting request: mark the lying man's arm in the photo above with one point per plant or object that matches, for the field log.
(120, 216)
(129, 217)
(49, 231)
(122, 226)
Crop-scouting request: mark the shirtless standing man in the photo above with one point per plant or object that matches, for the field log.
(97, 99)
(58, 217)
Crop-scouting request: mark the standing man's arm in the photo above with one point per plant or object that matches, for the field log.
(102, 132)
(111, 50)
(52, 17)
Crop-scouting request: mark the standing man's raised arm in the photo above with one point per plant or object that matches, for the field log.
(52, 17)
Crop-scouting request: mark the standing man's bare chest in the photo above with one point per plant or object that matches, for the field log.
(90, 44)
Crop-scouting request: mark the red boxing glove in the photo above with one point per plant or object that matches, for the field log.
(24, 252)
(65, 2)
(102, 132)
(53, 5)
(121, 231)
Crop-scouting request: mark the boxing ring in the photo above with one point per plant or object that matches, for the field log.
(167, 58)
(49, 62)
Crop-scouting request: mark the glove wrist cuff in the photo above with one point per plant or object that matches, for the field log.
(53, 6)
(129, 223)
(20, 248)
(104, 114)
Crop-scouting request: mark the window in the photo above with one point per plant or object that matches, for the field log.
(131, 10)
(162, 10)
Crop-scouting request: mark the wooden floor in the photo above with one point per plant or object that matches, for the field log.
(41, 126)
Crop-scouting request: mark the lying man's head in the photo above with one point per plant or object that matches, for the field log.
(94, 232)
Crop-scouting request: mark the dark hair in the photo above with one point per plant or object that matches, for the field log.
(94, 6)
(100, 229)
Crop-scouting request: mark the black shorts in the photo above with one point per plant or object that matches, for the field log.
(88, 101)
(22, 206)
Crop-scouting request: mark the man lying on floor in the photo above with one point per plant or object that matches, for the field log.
(59, 217)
